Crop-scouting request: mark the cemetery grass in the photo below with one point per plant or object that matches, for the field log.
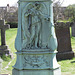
(10, 39)
(67, 66)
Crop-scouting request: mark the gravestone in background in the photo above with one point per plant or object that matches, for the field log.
(36, 42)
(64, 42)
(73, 29)
(4, 48)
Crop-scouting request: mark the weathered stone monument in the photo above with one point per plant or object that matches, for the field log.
(36, 42)
(64, 42)
(3, 48)
(73, 29)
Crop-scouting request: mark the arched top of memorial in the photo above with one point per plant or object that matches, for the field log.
(36, 0)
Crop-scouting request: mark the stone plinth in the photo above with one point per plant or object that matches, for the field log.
(64, 41)
(35, 62)
(73, 29)
(4, 48)
(37, 72)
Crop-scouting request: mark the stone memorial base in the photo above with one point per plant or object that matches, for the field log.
(5, 50)
(37, 72)
(65, 55)
(36, 62)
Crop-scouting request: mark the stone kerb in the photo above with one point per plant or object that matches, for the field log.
(0, 63)
(4, 74)
(64, 42)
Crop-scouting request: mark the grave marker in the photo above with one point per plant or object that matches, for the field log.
(4, 48)
(3, 27)
(64, 42)
(36, 42)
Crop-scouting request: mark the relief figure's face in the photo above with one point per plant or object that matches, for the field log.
(37, 5)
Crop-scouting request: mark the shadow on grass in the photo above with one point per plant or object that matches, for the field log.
(72, 61)
(67, 59)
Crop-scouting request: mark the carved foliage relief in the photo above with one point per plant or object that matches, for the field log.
(36, 61)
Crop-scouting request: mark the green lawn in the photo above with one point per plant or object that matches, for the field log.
(66, 65)
(10, 39)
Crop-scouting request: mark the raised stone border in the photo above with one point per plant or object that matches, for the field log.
(4, 74)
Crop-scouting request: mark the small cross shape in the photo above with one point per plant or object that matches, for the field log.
(3, 27)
